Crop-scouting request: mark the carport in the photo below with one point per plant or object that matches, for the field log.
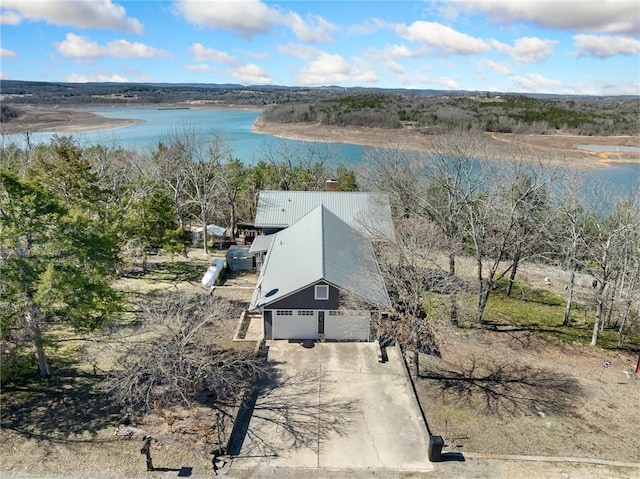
(334, 406)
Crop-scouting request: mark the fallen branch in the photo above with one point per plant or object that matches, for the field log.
(129, 431)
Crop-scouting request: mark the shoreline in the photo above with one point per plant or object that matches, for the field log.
(63, 120)
(557, 149)
(76, 119)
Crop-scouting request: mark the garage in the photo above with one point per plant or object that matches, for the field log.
(292, 324)
(347, 325)
(310, 324)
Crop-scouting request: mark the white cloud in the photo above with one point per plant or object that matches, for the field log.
(394, 67)
(501, 68)
(605, 46)
(394, 52)
(527, 49)
(249, 18)
(79, 14)
(444, 39)
(304, 52)
(75, 46)
(330, 69)
(125, 49)
(7, 53)
(255, 55)
(96, 77)
(316, 29)
(425, 80)
(606, 16)
(204, 54)
(251, 74)
(536, 83)
(600, 86)
(9, 18)
(369, 26)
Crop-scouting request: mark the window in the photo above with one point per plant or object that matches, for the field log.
(336, 313)
(284, 313)
(305, 313)
(322, 291)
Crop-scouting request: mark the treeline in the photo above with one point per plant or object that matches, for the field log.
(449, 203)
(488, 112)
(45, 93)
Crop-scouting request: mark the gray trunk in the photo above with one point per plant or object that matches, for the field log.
(599, 311)
(572, 280)
(32, 320)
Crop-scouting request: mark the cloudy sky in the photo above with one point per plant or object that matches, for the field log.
(549, 46)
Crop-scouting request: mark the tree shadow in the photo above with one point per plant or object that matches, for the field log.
(69, 407)
(508, 389)
(292, 405)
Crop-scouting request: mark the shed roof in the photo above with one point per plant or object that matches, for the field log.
(368, 213)
(320, 247)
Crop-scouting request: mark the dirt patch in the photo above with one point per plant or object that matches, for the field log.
(513, 393)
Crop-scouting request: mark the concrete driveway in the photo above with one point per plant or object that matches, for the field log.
(334, 406)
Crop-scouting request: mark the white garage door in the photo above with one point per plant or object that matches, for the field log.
(347, 325)
(293, 325)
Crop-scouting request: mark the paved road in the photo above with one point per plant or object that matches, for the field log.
(334, 407)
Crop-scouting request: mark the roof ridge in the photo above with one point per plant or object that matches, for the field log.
(323, 210)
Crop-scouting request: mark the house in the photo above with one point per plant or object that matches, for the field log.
(319, 278)
(367, 213)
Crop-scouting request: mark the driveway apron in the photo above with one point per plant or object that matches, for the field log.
(333, 405)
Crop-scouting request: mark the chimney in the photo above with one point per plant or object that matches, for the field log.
(331, 185)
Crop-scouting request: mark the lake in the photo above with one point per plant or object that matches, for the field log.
(158, 124)
(235, 128)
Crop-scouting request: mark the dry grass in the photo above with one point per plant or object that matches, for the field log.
(513, 393)
(533, 388)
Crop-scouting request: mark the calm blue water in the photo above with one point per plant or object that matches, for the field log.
(235, 128)
(162, 125)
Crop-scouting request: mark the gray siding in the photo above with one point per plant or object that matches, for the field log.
(305, 299)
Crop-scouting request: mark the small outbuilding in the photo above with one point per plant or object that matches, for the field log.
(239, 258)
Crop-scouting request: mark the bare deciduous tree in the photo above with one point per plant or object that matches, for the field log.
(180, 357)
(494, 221)
(409, 267)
